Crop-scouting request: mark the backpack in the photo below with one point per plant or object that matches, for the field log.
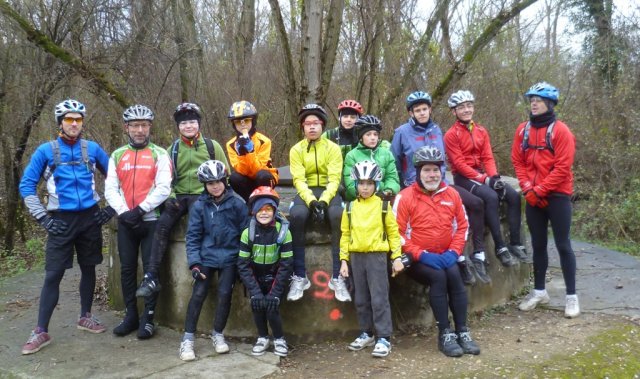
(282, 232)
(55, 147)
(385, 208)
(547, 139)
(174, 155)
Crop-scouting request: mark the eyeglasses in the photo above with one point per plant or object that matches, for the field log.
(464, 106)
(70, 120)
(139, 125)
(312, 123)
(242, 121)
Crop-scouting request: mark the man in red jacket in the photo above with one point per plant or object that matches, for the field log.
(542, 155)
(469, 150)
(433, 227)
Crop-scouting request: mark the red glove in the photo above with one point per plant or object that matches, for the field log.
(534, 200)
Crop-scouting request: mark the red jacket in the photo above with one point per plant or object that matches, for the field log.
(470, 152)
(540, 168)
(435, 223)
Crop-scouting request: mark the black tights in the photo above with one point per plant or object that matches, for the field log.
(51, 293)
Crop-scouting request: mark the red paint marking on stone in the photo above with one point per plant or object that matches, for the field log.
(335, 314)
(321, 279)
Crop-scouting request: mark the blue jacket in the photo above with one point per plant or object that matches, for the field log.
(71, 187)
(408, 138)
(213, 235)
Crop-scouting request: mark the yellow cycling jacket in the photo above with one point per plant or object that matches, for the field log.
(316, 164)
(365, 234)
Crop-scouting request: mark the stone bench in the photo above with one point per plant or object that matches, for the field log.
(317, 314)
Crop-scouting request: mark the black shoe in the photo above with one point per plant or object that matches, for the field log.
(467, 344)
(481, 270)
(519, 252)
(149, 286)
(448, 344)
(127, 325)
(505, 258)
(466, 271)
(146, 329)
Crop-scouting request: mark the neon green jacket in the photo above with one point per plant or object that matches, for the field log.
(316, 164)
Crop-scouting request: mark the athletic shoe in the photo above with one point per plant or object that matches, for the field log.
(572, 307)
(146, 329)
(262, 344)
(519, 252)
(149, 286)
(91, 324)
(448, 344)
(382, 348)
(219, 343)
(468, 345)
(127, 325)
(280, 347)
(298, 286)
(534, 298)
(36, 342)
(466, 271)
(364, 340)
(340, 288)
(504, 257)
(186, 350)
(481, 270)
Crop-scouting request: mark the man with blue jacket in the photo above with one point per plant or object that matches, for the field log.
(72, 217)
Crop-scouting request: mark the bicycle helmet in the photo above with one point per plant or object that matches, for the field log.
(243, 109)
(366, 170)
(366, 123)
(210, 171)
(262, 196)
(350, 104)
(186, 112)
(545, 91)
(312, 109)
(427, 154)
(68, 106)
(460, 97)
(137, 112)
(418, 97)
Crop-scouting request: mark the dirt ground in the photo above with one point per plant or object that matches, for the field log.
(514, 344)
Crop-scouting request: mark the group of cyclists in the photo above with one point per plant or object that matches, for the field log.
(343, 177)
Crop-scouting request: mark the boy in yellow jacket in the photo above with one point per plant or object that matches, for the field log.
(367, 241)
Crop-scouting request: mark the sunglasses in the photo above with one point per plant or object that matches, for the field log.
(70, 120)
(242, 121)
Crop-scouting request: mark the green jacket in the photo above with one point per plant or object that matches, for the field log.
(189, 159)
(383, 158)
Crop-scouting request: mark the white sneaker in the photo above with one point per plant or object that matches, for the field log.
(340, 288)
(572, 307)
(186, 350)
(262, 344)
(219, 343)
(534, 298)
(298, 286)
(280, 347)
(364, 340)
(382, 348)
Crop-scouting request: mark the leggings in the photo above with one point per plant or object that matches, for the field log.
(226, 280)
(244, 185)
(492, 209)
(559, 214)
(51, 293)
(475, 211)
(445, 288)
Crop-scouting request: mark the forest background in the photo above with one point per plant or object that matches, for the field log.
(282, 54)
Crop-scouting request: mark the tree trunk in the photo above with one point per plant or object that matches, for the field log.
(180, 38)
(244, 47)
(311, 43)
(330, 47)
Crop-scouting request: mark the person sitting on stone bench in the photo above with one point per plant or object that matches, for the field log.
(316, 169)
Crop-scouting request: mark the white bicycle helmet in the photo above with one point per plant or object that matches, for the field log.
(211, 170)
(366, 170)
(69, 106)
(137, 112)
(460, 97)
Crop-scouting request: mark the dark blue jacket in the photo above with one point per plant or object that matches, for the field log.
(213, 235)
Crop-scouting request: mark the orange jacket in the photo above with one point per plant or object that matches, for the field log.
(469, 151)
(436, 222)
(548, 171)
(258, 159)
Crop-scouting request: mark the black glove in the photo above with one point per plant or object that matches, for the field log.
(496, 183)
(317, 213)
(258, 303)
(385, 195)
(244, 145)
(103, 215)
(196, 273)
(53, 226)
(406, 260)
(132, 217)
(172, 204)
(271, 303)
